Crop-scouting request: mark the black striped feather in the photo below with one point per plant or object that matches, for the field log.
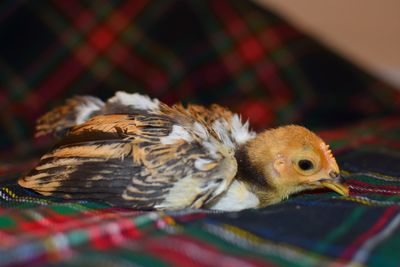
(141, 160)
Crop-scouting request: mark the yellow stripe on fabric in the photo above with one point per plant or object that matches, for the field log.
(369, 202)
(375, 175)
(7, 194)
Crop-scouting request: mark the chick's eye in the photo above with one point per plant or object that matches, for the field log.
(305, 165)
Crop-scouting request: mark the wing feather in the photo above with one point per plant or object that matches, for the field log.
(227, 125)
(76, 110)
(161, 159)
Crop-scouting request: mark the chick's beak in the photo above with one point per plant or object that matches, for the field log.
(335, 183)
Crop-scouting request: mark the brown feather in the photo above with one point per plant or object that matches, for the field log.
(127, 151)
(61, 118)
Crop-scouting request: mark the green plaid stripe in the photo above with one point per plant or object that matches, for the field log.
(78, 234)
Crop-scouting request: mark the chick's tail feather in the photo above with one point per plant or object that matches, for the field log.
(75, 111)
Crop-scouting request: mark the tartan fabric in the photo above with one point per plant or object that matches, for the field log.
(230, 52)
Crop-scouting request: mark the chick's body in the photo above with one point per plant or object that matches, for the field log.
(137, 152)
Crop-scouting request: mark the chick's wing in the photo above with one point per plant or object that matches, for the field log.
(159, 160)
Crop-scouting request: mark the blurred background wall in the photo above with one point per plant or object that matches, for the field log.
(367, 31)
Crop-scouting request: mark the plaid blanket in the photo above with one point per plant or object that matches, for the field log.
(230, 52)
(314, 229)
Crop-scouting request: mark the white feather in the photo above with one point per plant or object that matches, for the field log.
(239, 131)
(200, 130)
(178, 133)
(85, 110)
(200, 163)
(135, 100)
(211, 148)
(237, 197)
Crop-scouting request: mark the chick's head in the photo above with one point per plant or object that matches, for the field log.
(292, 159)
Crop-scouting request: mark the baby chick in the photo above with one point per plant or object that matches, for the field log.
(137, 152)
